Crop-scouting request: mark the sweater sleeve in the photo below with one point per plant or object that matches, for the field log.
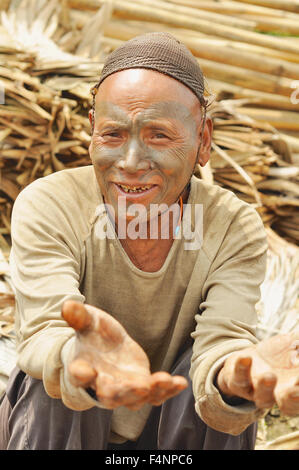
(46, 263)
(227, 318)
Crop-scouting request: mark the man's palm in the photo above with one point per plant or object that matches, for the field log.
(267, 373)
(112, 364)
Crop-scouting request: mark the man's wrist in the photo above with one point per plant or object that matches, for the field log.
(231, 400)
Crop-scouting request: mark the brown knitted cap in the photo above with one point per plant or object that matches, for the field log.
(161, 52)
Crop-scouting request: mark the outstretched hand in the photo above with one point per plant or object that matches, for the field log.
(266, 374)
(110, 362)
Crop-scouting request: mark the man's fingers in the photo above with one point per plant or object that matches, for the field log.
(82, 373)
(88, 318)
(264, 391)
(234, 379)
(136, 396)
(241, 376)
(289, 402)
(76, 315)
(237, 377)
(165, 386)
(287, 395)
(178, 385)
(264, 381)
(106, 390)
(160, 384)
(179, 382)
(121, 392)
(155, 389)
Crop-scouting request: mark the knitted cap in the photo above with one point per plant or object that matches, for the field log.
(161, 52)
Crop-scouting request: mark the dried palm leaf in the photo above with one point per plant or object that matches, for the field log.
(278, 307)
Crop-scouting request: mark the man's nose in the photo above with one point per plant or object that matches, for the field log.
(134, 159)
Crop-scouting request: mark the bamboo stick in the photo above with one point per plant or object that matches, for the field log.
(237, 178)
(239, 76)
(290, 26)
(238, 187)
(127, 29)
(292, 141)
(9, 188)
(274, 202)
(278, 119)
(254, 21)
(125, 9)
(268, 100)
(279, 185)
(240, 170)
(236, 8)
(289, 5)
(196, 13)
(264, 51)
(228, 54)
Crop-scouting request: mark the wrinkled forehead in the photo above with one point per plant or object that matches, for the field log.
(161, 110)
(145, 86)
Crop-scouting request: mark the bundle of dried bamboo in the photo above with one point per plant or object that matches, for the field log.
(253, 160)
(44, 124)
(51, 54)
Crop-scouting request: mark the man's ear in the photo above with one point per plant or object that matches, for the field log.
(205, 148)
(90, 116)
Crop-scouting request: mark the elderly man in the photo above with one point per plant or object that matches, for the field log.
(131, 336)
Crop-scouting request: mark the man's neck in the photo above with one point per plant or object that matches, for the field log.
(164, 223)
(150, 253)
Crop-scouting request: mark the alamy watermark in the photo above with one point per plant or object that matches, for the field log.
(159, 221)
(295, 94)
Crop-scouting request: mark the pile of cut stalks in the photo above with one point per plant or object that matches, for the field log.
(51, 54)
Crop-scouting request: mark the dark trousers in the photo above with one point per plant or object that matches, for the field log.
(30, 419)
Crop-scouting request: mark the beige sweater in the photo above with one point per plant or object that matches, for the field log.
(208, 294)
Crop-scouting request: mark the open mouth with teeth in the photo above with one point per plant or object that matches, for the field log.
(135, 189)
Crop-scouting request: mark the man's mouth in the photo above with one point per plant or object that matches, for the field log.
(135, 189)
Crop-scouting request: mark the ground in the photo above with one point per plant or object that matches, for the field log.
(283, 429)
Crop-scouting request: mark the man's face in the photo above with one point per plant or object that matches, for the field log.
(146, 137)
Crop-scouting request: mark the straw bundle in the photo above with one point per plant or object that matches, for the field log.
(279, 303)
(252, 159)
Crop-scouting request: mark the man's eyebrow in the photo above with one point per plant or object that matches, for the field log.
(109, 123)
(113, 112)
(172, 110)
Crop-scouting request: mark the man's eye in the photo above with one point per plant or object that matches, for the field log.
(112, 134)
(160, 135)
